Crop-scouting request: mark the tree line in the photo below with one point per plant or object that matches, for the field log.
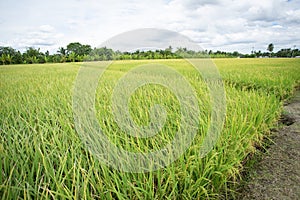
(76, 52)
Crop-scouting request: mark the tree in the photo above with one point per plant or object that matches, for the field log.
(62, 51)
(236, 53)
(102, 53)
(9, 59)
(32, 55)
(73, 47)
(18, 59)
(293, 51)
(9, 55)
(3, 59)
(72, 57)
(270, 47)
(7, 51)
(78, 49)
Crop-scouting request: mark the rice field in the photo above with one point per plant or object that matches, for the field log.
(42, 156)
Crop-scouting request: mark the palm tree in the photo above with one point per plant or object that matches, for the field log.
(62, 52)
(9, 59)
(72, 56)
(293, 51)
(270, 48)
(3, 59)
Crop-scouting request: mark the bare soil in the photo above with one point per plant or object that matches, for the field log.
(276, 175)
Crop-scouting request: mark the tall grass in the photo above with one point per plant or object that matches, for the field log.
(42, 156)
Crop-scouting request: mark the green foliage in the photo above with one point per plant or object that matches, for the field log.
(78, 49)
(103, 53)
(42, 156)
(62, 51)
(270, 47)
(76, 52)
(9, 55)
(288, 53)
(33, 55)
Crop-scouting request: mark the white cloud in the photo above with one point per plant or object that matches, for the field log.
(218, 24)
(44, 37)
(46, 28)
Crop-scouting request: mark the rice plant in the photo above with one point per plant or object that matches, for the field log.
(43, 157)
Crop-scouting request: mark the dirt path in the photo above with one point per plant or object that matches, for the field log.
(277, 174)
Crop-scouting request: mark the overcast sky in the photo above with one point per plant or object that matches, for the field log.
(215, 24)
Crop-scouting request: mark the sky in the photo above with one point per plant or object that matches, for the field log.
(227, 25)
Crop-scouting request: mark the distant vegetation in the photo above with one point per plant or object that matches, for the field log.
(76, 52)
